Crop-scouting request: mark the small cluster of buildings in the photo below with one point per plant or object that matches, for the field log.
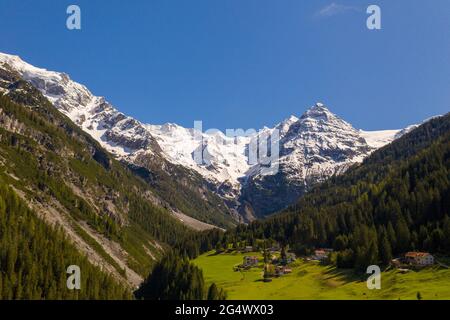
(247, 249)
(413, 258)
(280, 263)
(280, 266)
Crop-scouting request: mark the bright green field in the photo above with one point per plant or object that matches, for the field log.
(309, 280)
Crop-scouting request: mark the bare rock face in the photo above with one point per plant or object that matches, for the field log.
(312, 148)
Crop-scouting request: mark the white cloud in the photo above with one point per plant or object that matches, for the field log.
(335, 9)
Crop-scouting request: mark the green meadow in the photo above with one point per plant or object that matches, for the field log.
(310, 280)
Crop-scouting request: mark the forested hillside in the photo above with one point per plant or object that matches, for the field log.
(110, 214)
(34, 258)
(397, 200)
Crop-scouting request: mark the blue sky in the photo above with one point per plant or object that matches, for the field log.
(244, 63)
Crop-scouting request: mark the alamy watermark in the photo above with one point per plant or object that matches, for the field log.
(374, 20)
(374, 280)
(74, 278)
(73, 21)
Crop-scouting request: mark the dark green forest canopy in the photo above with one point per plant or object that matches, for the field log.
(34, 258)
(397, 200)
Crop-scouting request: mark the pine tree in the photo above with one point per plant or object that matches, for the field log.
(385, 249)
(215, 293)
(403, 236)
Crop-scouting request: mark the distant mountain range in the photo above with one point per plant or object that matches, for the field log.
(312, 148)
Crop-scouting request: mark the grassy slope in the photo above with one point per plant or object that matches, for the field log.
(309, 280)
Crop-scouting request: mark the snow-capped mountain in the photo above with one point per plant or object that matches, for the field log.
(120, 134)
(223, 158)
(311, 148)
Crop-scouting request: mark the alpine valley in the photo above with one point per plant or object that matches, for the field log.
(83, 184)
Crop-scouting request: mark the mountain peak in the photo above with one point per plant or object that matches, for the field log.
(17, 63)
(10, 57)
(284, 125)
(318, 112)
(319, 107)
(288, 121)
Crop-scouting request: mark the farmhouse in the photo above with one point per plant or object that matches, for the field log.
(250, 261)
(419, 258)
(321, 254)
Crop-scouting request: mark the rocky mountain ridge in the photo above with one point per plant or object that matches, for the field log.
(311, 148)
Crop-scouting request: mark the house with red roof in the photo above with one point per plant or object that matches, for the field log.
(419, 258)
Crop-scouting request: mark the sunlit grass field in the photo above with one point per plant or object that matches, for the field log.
(310, 280)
